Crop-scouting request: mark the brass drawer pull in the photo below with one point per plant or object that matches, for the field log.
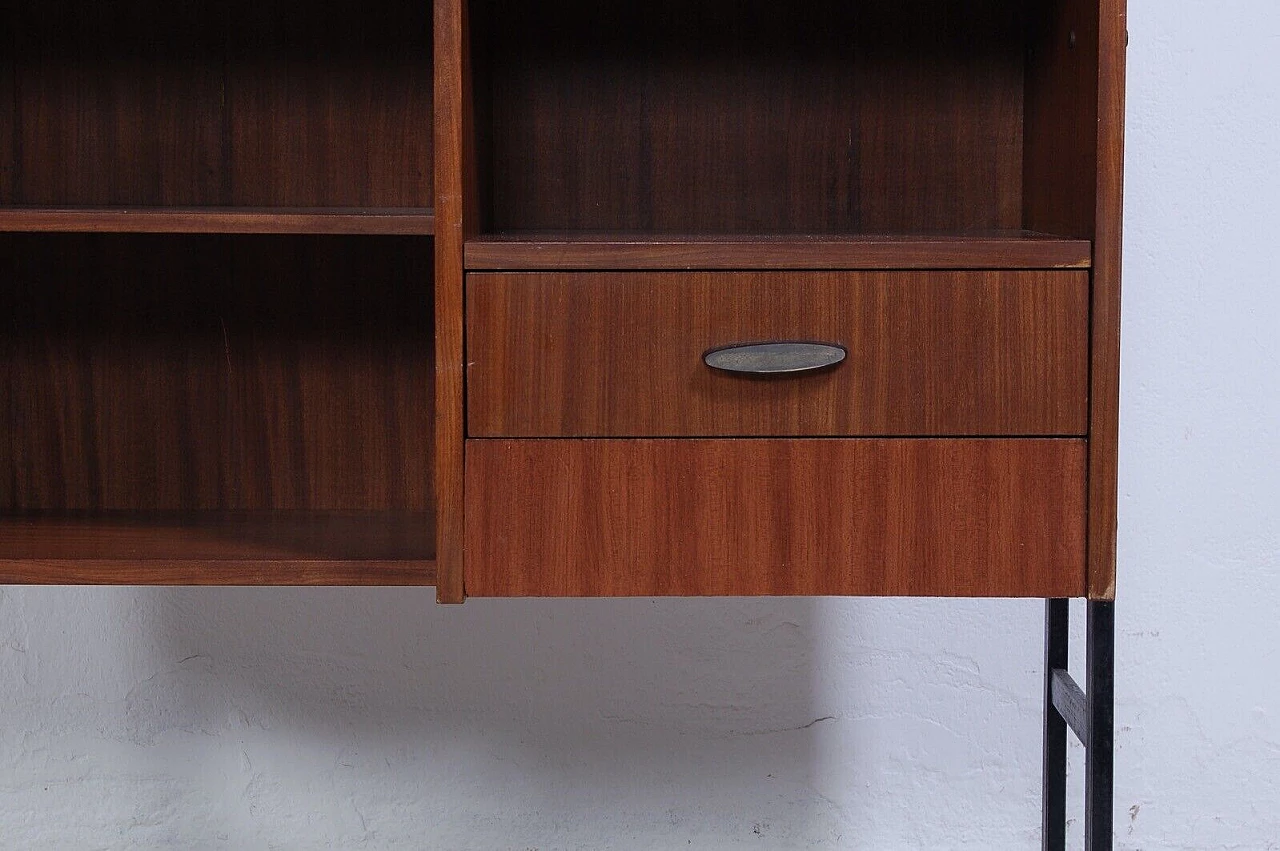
(775, 358)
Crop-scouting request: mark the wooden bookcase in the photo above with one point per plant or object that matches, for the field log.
(218, 227)
(431, 293)
(216, 265)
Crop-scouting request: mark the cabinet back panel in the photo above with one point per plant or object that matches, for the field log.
(240, 103)
(215, 373)
(751, 117)
(1060, 163)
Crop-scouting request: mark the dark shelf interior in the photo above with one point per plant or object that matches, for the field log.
(216, 103)
(200, 375)
(179, 405)
(764, 118)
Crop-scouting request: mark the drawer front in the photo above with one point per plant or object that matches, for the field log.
(962, 517)
(928, 353)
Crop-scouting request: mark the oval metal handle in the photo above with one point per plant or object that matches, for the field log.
(784, 357)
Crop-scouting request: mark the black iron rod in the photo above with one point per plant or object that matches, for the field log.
(1100, 681)
(1057, 615)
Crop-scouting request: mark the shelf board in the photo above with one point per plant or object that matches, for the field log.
(408, 221)
(566, 250)
(218, 548)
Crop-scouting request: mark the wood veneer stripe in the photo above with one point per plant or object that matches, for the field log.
(583, 252)
(228, 220)
(219, 572)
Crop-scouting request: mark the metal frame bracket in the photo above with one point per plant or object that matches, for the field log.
(1090, 714)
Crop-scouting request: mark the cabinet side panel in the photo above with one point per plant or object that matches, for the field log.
(1105, 392)
(450, 147)
(984, 518)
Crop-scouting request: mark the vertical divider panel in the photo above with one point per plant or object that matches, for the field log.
(454, 209)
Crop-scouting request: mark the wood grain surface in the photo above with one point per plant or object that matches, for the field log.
(215, 373)
(239, 220)
(218, 103)
(455, 213)
(1073, 175)
(930, 353)
(523, 251)
(218, 548)
(753, 117)
(987, 518)
(1060, 151)
(330, 104)
(274, 406)
(1104, 426)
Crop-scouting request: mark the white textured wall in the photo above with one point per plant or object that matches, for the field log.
(256, 719)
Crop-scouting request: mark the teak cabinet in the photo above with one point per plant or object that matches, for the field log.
(291, 297)
(572, 298)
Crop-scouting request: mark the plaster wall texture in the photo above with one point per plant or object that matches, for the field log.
(299, 719)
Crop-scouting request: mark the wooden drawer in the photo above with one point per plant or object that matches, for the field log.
(959, 517)
(613, 354)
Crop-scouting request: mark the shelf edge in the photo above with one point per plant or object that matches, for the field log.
(239, 572)
(218, 220)
(1031, 252)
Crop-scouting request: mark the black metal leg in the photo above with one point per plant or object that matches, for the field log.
(1057, 615)
(1100, 754)
(1090, 715)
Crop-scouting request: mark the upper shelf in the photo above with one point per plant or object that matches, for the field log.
(412, 221)
(262, 104)
(1013, 249)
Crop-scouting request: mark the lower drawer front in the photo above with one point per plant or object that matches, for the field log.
(885, 517)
